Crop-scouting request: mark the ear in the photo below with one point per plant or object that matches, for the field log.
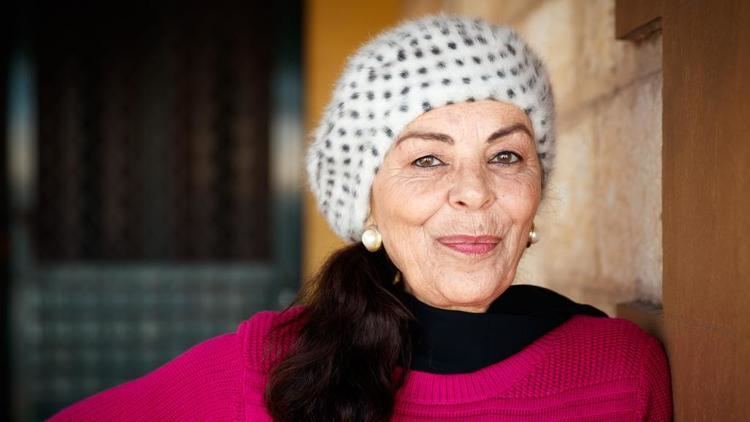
(370, 221)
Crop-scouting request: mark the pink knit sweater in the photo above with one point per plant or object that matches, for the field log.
(587, 369)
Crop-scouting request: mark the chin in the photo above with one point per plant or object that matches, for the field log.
(461, 296)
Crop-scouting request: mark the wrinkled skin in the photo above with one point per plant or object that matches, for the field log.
(445, 176)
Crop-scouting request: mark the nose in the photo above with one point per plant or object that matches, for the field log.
(471, 189)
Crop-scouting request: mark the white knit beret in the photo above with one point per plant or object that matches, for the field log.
(404, 72)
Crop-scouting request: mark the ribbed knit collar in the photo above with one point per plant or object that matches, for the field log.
(450, 342)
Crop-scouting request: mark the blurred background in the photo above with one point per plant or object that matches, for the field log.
(153, 188)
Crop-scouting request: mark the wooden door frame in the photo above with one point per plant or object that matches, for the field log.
(706, 198)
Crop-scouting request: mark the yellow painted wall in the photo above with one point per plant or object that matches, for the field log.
(333, 30)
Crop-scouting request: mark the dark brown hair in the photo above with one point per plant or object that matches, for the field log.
(353, 343)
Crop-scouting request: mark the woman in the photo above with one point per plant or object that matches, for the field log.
(431, 157)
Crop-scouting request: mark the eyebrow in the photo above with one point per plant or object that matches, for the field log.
(431, 136)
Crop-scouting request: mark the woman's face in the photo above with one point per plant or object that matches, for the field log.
(455, 199)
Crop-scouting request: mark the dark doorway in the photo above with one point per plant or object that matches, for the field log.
(147, 210)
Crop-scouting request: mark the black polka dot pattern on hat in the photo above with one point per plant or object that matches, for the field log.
(402, 73)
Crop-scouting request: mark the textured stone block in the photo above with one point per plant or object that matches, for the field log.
(576, 40)
(628, 189)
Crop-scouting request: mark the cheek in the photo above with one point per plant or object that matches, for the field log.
(520, 197)
(401, 207)
(400, 201)
(519, 200)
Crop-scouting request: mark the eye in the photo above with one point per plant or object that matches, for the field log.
(506, 157)
(427, 161)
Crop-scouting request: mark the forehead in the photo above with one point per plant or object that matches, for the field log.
(475, 114)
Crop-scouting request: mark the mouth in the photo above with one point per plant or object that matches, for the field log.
(470, 245)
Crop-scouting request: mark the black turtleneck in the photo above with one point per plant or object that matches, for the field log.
(448, 342)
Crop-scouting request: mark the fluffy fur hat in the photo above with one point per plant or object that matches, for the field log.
(402, 73)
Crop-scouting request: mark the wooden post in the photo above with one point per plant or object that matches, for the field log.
(706, 199)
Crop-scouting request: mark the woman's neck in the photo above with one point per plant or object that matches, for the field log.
(456, 341)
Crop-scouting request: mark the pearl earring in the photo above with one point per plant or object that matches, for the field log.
(533, 236)
(371, 239)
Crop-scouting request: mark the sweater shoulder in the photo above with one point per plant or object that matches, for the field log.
(616, 350)
(203, 381)
(608, 327)
(588, 355)
(611, 335)
(598, 348)
(267, 336)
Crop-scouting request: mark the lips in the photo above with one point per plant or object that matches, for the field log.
(470, 245)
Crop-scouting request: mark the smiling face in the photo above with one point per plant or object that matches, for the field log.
(455, 199)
